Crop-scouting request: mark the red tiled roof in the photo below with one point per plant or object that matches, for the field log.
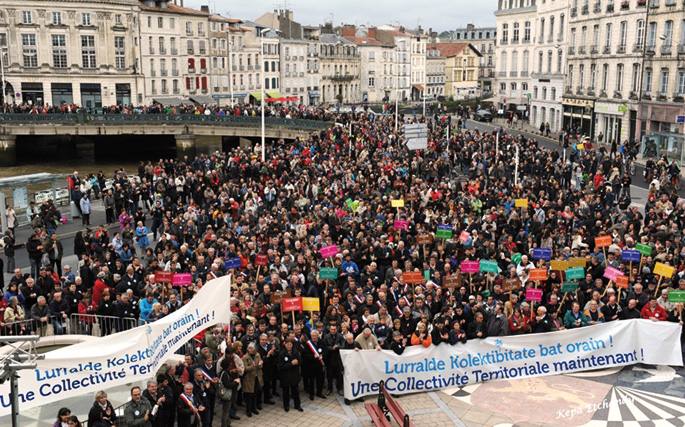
(172, 8)
(448, 49)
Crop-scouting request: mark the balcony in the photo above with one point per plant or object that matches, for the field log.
(579, 90)
(153, 73)
(567, 89)
(162, 51)
(165, 91)
(678, 97)
(591, 91)
(585, 10)
(574, 12)
(666, 49)
(625, 5)
(513, 73)
(176, 91)
(653, 4)
(525, 41)
(203, 51)
(204, 90)
(610, 8)
(234, 68)
(637, 47)
(598, 7)
(618, 95)
(201, 33)
(581, 50)
(594, 50)
(523, 74)
(621, 49)
(504, 41)
(651, 49)
(501, 74)
(174, 51)
(514, 41)
(191, 70)
(342, 77)
(571, 50)
(174, 73)
(152, 51)
(163, 73)
(189, 32)
(606, 50)
(191, 51)
(203, 70)
(647, 95)
(241, 67)
(632, 95)
(670, 3)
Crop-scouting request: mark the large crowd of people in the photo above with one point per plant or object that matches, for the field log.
(337, 188)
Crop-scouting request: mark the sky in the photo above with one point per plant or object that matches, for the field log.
(440, 15)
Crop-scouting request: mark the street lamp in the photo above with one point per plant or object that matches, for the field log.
(397, 87)
(261, 43)
(2, 76)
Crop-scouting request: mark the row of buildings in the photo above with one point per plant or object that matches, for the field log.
(99, 53)
(612, 69)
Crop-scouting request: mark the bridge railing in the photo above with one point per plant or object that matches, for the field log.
(138, 119)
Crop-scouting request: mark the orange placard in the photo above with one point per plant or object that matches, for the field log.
(603, 241)
(621, 282)
(412, 278)
(537, 274)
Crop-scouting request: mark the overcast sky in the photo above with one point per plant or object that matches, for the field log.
(437, 14)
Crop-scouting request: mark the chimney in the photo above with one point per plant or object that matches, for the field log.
(348, 31)
(204, 8)
(372, 32)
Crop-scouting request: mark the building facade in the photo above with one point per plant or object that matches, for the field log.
(514, 54)
(339, 67)
(311, 34)
(417, 47)
(271, 57)
(484, 39)
(462, 64)
(435, 73)
(547, 77)
(662, 93)
(376, 63)
(81, 52)
(294, 69)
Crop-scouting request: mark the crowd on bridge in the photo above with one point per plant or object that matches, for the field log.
(380, 212)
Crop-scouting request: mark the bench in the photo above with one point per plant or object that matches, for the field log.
(390, 405)
(377, 415)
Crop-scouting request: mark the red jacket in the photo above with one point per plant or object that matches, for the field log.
(659, 313)
(98, 288)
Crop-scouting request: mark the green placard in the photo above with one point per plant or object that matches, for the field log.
(569, 287)
(443, 234)
(575, 273)
(489, 267)
(516, 258)
(676, 296)
(427, 274)
(328, 273)
(645, 250)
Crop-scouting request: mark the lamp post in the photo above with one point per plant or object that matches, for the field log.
(230, 70)
(397, 88)
(261, 42)
(2, 76)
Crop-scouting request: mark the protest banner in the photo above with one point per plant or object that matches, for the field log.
(451, 281)
(232, 263)
(469, 267)
(401, 224)
(329, 251)
(163, 276)
(569, 287)
(575, 273)
(676, 296)
(611, 273)
(340, 213)
(261, 260)
(663, 270)
(291, 304)
(622, 282)
(397, 203)
(534, 294)
(577, 262)
(424, 239)
(630, 255)
(516, 258)
(310, 304)
(412, 278)
(182, 279)
(602, 242)
(122, 358)
(521, 203)
(420, 369)
(489, 266)
(464, 237)
(544, 254)
(537, 274)
(557, 265)
(442, 233)
(328, 273)
(645, 250)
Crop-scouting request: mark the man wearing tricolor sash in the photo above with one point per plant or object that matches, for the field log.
(312, 365)
(189, 407)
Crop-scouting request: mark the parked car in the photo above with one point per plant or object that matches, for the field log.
(483, 116)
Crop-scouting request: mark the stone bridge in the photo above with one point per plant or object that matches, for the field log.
(189, 130)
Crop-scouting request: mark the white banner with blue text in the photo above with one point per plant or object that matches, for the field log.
(121, 358)
(420, 369)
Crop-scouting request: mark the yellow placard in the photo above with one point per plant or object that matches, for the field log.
(576, 262)
(580, 147)
(557, 265)
(310, 304)
(398, 203)
(521, 203)
(663, 270)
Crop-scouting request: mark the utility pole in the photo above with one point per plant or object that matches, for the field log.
(2, 76)
(516, 167)
(397, 88)
(230, 65)
(261, 42)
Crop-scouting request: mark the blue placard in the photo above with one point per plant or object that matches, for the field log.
(232, 263)
(630, 255)
(680, 119)
(542, 253)
(444, 227)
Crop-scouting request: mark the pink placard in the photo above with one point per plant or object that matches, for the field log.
(464, 236)
(470, 267)
(401, 224)
(533, 294)
(182, 279)
(612, 273)
(329, 251)
(340, 213)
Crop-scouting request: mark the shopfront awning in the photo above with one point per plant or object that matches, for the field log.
(493, 99)
(203, 99)
(171, 101)
(257, 95)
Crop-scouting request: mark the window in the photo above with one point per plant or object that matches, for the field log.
(549, 61)
(619, 77)
(59, 51)
(172, 23)
(623, 33)
(573, 38)
(647, 86)
(85, 19)
(119, 53)
(503, 87)
(26, 17)
(542, 29)
(161, 45)
(514, 61)
(524, 66)
(88, 51)
(593, 75)
(535, 92)
(56, 18)
(505, 33)
(554, 94)
(561, 27)
(640, 32)
(513, 86)
(149, 21)
(663, 82)
(29, 51)
(682, 33)
(595, 36)
(551, 28)
(605, 76)
(583, 36)
(117, 19)
(681, 82)
(581, 75)
(668, 33)
(560, 58)
(636, 78)
(526, 32)
(372, 56)
(515, 35)
(570, 76)
(189, 28)
(160, 22)
(372, 82)
(540, 62)
(651, 35)
(607, 35)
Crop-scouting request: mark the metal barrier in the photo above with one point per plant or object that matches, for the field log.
(24, 327)
(99, 326)
(213, 119)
